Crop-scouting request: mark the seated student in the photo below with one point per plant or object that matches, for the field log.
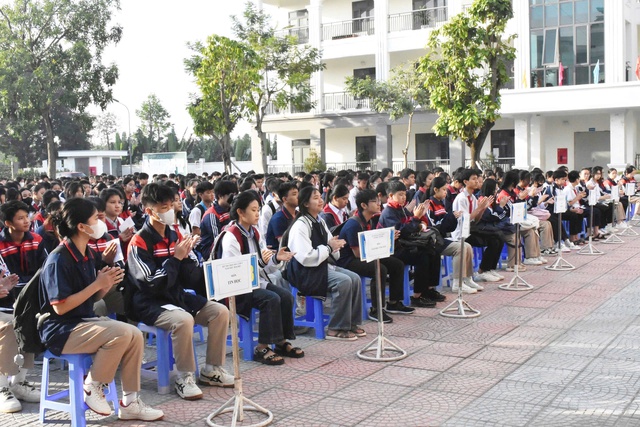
(49, 234)
(446, 222)
(539, 202)
(605, 205)
(509, 192)
(556, 191)
(204, 200)
(627, 178)
(274, 302)
(271, 205)
(189, 196)
(181, 224)
(217, 216)
(309, 270)
(362, 184)
(160, 262)
(369, 205)
(408, 178)
(600, 211)
(335, 213)
(69, 284)
(465, 201)
(113, 199)
(38, 219)
(576, 212)
(427, 265)
(282, 219)
(453, 189)
(423, 181)
(131, 208)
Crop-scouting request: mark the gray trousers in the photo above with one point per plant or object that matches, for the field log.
(344, 288)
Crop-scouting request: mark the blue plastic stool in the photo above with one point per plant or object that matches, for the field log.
(79, 364)
(314, 318)
(447, 270)
(407, 291)
(247, 335)
(161, 368)
(197, 329)
(366, 302)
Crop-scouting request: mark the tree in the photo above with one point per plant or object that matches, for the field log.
(51, 55)
(242, 148)
(400, 96)
(154, 118)
(313, 162)
(106, 125)
(225, 71)
(285, 69)
(465, 69)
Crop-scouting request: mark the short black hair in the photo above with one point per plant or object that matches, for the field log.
(395, 186)
(560, 173)
(9, 210)
(153, 194)
(406, 173)
(382, 188)
(285, 188)
(365, 196)
(573, 176)
(204, 186)
(225, 187)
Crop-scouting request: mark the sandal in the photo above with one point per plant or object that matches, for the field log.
(288, 350)
(359, 332)
(340, 335)
(267, 357)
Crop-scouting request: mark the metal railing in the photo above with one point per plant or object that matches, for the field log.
(273, 110)
(505, 163)
(422, 164)
(355, 166)
(290, 168)
(418, 19)
(340, 101)
(346, 29)
(301, 33)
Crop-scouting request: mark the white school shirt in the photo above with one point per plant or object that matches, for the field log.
(461, 203)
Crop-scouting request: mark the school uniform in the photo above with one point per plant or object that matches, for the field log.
(280, 221)
(213, 221)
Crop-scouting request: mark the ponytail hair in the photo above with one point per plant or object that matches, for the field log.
(75, 211)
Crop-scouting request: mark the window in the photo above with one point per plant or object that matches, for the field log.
(301, 149)
(299, 23)
(363, 73)
(431, 149)
(503, 143)
(362, 13)
(428, 12)
(550, 46)
(365, 148)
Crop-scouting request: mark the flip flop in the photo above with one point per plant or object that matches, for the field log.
(359, 332)
(341, 336)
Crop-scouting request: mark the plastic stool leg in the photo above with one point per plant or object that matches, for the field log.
(365, 301)
(407, 286)
(164, 366)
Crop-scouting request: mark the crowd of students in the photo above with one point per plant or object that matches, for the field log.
(132, 250)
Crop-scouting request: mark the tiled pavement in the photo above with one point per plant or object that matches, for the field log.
(566, 353)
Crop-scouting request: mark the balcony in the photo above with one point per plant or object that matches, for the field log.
(273, 110)
(347, 29)
(340, 101)
(300, 33)
(418, 19)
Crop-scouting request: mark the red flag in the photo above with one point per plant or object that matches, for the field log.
(560, 75)
(638, 68)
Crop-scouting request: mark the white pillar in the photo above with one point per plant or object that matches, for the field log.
(315, 40)
(522, 64)
(457, 150)
(536, 142)
(318, 142)
(618, 138)
(631, 127)
(381, 24)
(522, 127)
(384, 145)
(614, 42)
(256, 152)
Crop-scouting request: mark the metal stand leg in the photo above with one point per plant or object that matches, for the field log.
(613, 238)
(589, 249)
(561, 264)
(517, 283)
(381, 344)
(238, 403)
(459, 308)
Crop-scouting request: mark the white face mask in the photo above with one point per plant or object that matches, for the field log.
(98, 230)
(167, 218)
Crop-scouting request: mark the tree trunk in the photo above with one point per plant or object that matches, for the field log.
(263, 143)
(477, 144)
(405, 152)
(226, 158)
(51, 144)
(474, 154)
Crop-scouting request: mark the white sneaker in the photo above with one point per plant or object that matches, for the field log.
(8, 402)
(95, 400)
(532, 261)
(543, 260)
(564, 248)
(495, 274)
(486, 277)
(468, 281)
(186, 387)
(26, 392)
(218, 377)
(622, 226)
(138, 410)
(568, 243)
(465, 289)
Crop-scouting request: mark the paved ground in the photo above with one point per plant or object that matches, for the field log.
(566, 353)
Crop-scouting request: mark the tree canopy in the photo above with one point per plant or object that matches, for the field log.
(465, 70)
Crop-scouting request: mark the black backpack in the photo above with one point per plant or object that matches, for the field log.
(28, 316)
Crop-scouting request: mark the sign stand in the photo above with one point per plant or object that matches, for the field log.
(630, 190)
(561, 264)
(376, 244)
(589, 249)
(238, 403)
(517, 283)
(613, 238)
(459, 308)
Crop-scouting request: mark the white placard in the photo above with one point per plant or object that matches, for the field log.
(560, 205)
(376, 244)
(119, 255)
(630, 189)
(125, 224)
(593, 198)
(466, 224)
(231, 276)
(615, 193)
(518, 213)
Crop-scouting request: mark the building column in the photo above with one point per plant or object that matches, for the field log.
(536, 142)
(457, 153)
(384, 146)
(381, 25)
(522, 64)
(522, 127)
(256, 152)
(315, 40)
(318, 142)
(622, 137)
(614, 42)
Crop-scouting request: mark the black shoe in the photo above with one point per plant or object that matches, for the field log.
(373, 315)
(434, 295)
(422, 302)
(398, 308)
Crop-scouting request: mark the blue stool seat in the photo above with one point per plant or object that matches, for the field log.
(79, 365)
(247, 335)
(161, 368)
(447, 271)
(314, 318)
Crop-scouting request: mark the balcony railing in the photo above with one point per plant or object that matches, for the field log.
(290, 168)
(418, 19)
(346, 29)
(340, 101)
(424, 164)
(355, 166)
(301, 33)
(272, 110)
